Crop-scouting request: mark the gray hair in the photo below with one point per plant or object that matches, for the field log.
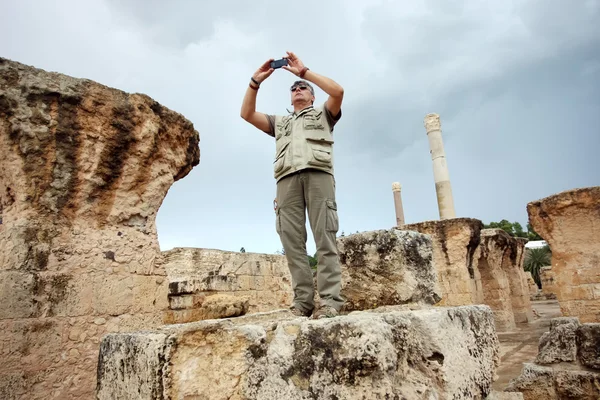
(302, 82)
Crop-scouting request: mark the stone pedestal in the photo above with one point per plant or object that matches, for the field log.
(83, 171)
(441, 353)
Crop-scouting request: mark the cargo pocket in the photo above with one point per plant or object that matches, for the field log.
(332, 224)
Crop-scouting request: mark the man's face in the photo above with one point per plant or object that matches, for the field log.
(301, 92)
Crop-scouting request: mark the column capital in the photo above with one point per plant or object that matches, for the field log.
(396, 187)
(432, 122)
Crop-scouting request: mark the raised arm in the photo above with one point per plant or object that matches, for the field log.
(248, 111)
(329, 86)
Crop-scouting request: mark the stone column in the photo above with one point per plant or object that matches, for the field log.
(84, 169)
(440, 168)
(569, 222)
(396, 188)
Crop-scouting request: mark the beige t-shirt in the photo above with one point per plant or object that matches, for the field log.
(330, 119)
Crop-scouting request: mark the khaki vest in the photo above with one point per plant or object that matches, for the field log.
(303, 140)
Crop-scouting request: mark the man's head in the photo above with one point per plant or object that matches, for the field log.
(302, 93)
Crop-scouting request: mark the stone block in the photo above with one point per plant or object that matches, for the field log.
(17, 292)
(387, 267)
(539, 382)
(559, 344)
(588, 345)
(433, 353)
(455, 242)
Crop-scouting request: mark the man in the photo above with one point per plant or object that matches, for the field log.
(303, 169)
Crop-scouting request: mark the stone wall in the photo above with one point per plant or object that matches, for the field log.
(208, 283)
(379, 268)
(567, 365)
(83, 171)
(445, 353)
(455, 242)
(570, 224)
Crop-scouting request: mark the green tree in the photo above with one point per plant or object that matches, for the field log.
(242, 250)
(535, 259)
(531, 234)
(312, 260)
(514, 229)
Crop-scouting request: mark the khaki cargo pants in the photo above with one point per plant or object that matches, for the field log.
(314, 191)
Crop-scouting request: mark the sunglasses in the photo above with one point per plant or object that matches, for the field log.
(301, 87)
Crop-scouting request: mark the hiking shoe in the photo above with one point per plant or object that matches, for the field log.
(325, 312)
(299, 313)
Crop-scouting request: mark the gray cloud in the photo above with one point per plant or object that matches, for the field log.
(516, 85)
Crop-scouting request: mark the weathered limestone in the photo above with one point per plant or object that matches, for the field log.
(567, 365)
(396, 189)
(379, 268)
(570, 223)
(424, 354)
(495, 248)
(83, 171)
(387, 267)
(519, 290)
(455, 242)
(548, 284)
(533, 288)
(208, 283)
(441, 175)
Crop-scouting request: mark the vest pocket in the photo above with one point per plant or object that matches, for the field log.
(312, 122)
(332, 223)
(321, 150)
(279, 164)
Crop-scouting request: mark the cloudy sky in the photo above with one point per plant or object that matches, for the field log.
(516, 83)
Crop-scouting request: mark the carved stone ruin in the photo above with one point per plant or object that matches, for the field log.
(379, 268)
(570, 223)
(533, 288)
(397, 191)
(208, 283)
(567, 365)
(437, 353)
(504, 284)
(548, 284)
(455, 242)
(441, 175)
(83, 171)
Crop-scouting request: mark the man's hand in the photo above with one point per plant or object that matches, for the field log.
(333, 89)
(295, 65)
(264, 71)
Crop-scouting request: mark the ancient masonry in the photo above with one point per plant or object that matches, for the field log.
(90, 308)
(441, 175)
(392, 344)
(567, 365)
(395, 266)
(83, 171)
(570, 224)
(455, 243)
